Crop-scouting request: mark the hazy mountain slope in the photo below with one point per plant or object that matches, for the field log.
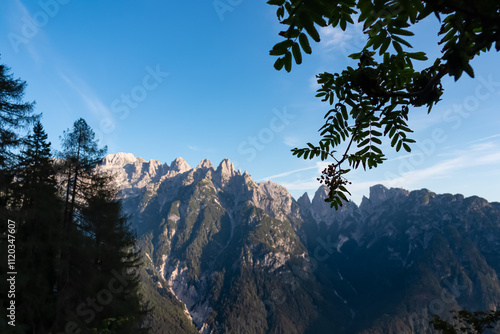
(409, 255)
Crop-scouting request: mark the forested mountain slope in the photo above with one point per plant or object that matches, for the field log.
(225, 254)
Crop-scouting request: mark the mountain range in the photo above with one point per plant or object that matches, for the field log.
(225, 254)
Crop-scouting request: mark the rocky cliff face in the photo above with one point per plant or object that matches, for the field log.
(222, 244)
(229, 255)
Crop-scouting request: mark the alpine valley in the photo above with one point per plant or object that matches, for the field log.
(224, 254)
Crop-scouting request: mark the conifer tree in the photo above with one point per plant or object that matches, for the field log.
(79, 156)
(39, 221)
(111, 252)
(72, 240)
(15, 114)
(99, 245)
(81, 153)
(35, 171)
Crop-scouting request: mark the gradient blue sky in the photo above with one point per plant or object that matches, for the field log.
(167, 79)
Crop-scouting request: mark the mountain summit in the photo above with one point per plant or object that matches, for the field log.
(224, 254)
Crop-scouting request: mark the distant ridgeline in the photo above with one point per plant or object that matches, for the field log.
(224, 254)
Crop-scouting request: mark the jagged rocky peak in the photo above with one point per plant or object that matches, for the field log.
(132, 172)
(154, 167)
(226, 166)
(251, 184)
(380, 194)
(304, 201)
(422, 196)
(119, 159)
(180, 165)
(205, 164)
(318, 204)
(322, 211)
(226, 170)
(274, 189)
(248, 178)
(278, 194)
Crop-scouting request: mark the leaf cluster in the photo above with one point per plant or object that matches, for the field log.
(372, 100)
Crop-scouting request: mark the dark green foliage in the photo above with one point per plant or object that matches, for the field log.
(204, 231)
(41, 229)
(75, 258)
(373, 99)
(110, 251)
(15, 114)
(98, 260)
(81, 154)
(466, 322)
(36, 208)
(35, 174)
(166, 312)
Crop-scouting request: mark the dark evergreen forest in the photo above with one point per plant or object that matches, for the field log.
(66, 248)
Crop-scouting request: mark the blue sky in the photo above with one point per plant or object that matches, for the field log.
(165, 79)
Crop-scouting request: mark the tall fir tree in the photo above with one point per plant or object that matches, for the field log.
(15, 114)
(39, 232)
(96, 289)
(73, 246)
(79, 156)
(81, 153)
(35, 170)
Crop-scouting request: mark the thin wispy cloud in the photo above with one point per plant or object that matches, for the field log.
(347, 41)
(402, 157)
(308, 184)
(18, 18)
(276, 176)
(440, 170)
(313, 83)
(292, 141)
(420, 120)
(199, 149)
(88, 96)
(487, 159)
(485, 138)
(474, 156)
(318, 166)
